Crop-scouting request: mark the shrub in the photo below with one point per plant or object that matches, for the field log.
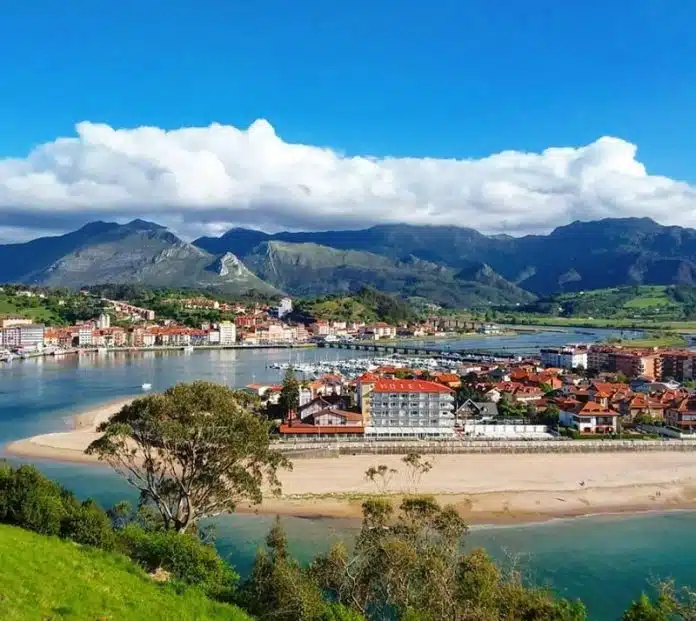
(89, 524)
(569, 432)
(185, 557)
(30, 500)
(339, 612)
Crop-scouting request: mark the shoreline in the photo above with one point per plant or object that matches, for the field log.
(490, 519)
(485, 488)
(68, 446)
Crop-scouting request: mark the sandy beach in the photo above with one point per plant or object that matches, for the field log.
(68, 445)
(485, 488)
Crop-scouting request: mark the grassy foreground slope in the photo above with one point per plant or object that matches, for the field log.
(46, 578)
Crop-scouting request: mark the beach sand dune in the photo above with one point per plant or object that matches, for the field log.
(484, 487)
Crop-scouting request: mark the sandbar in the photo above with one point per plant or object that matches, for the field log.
(485, 488)
(68, 445)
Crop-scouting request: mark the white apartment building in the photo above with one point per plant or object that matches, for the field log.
(26, 335)
(84, 336)
(228, 333)
(378, 331)
(407, 407)
(564, 357)
(104, 322)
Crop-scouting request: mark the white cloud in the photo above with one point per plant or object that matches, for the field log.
(204, 180)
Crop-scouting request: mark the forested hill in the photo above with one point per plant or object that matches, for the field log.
(367, 305)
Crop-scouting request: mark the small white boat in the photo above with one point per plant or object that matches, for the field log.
(188, 349)
(146, 387)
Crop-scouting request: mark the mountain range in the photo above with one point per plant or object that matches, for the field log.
(448, 265)
(139, 252)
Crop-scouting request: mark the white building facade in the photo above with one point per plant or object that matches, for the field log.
(409, 407)
(228, 333)
(285, 307)
(25, 336)
(84, 336)
(104, 322)
(564, 357)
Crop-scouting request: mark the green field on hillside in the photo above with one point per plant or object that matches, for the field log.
(46, 578)
(646, 306)
(38, 313)
(645, 297)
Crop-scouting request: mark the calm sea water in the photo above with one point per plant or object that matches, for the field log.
(605, 560)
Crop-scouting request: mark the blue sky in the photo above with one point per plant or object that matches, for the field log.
(441, 78)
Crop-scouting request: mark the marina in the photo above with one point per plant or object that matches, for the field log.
(352, 367)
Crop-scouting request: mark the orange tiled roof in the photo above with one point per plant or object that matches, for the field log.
(447, 377)
(592, 408)
(367, 378)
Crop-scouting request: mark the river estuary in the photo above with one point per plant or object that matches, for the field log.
(605, 560)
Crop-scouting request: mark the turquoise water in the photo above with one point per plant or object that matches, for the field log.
(607, 561)
(604, 560)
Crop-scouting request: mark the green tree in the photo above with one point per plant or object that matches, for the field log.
(184, 556)
(193, 452)
(29, 500)
(671, 604)
(88, 524)
(409, 565)
(546, 388)
(645, 419)
(644, 610)
(290, 393)
(279, 588)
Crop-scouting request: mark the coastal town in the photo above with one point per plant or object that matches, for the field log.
(567, 392)
(121, 324)
(564, 393)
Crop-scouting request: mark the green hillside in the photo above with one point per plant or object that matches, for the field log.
(27, 307)
(366, 305)
(309, 269)
(46, 578)
(654, 303)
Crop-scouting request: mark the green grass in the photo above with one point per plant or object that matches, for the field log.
(39, 314)
(586, 322)
(45, 578)
(667, 340)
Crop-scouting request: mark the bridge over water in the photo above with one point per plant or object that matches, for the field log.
(421, 350)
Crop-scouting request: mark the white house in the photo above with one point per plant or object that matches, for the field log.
(590, 417)
(379, 330)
